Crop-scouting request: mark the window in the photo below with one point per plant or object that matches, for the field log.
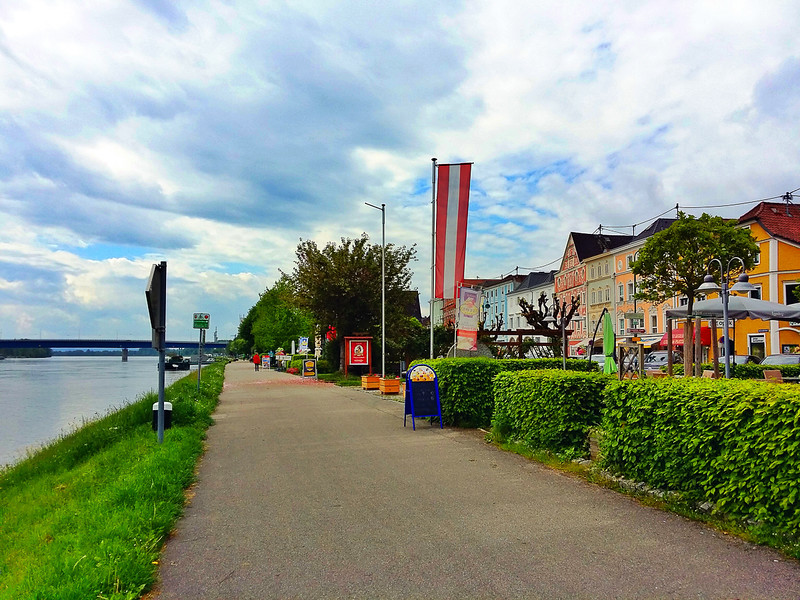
(621, 293)
(653, 323)
(606, 267)
(683, 301)
(594, 298)
(630, 290)
(756, 293)
(622, 327)
(608, 294)
(757, 259)
(628, 261)
(592, 271)
(791, 293)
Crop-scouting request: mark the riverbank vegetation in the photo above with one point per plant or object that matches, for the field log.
(86, 516)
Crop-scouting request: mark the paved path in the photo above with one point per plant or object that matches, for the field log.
(312, 491)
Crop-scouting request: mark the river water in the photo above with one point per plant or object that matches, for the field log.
(42, 398)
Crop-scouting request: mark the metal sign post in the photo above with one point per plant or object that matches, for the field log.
(156, 294)
(200, 321)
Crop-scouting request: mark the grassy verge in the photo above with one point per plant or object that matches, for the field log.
(86, 517)
(339, 379)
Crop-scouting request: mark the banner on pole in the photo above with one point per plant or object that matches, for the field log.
(469, 303)
(452, 207)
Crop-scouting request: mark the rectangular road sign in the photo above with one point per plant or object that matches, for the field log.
(634, 315)
(201, 320)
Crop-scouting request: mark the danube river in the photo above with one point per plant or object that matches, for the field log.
(42, 398)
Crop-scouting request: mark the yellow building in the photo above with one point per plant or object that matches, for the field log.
(776, 228)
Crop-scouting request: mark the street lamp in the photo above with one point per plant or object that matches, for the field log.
(550, 319)
(382, 208)
(742, 285)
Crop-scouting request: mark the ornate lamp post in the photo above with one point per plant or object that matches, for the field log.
(742, 285)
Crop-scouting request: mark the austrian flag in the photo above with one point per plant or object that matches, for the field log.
(452, 204)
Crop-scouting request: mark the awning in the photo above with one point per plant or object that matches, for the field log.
(677, 337)
(650, 340)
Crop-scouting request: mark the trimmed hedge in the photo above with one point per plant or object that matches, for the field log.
(753, 371)
(735, 443)
(550, 410)
(465, 384)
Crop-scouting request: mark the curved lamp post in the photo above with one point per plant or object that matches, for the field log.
(742, 285)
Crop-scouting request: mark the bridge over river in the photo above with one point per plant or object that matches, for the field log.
(101, 343)
(106, 344)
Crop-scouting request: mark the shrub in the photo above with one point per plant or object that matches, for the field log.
(465, 384)
(754, 371)
(734, 443)
(548, 409)
(293, 370)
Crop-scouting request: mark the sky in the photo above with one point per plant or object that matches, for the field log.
(215, 135)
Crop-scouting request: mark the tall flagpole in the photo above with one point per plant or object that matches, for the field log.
(433, 245)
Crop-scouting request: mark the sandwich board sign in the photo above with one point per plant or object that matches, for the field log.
(422, 394)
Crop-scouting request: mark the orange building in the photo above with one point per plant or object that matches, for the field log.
(776, 229)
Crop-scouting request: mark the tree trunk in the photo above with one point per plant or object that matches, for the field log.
(688, 348)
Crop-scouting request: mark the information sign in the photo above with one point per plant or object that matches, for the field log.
(422, 394)
(303, 346)
(201, 320)
(634, 316)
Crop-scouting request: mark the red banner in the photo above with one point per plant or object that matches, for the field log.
(452, 206)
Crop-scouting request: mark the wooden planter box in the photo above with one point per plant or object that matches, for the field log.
(390, 386)
(370, 382)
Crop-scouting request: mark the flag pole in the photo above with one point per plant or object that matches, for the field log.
(433, 245)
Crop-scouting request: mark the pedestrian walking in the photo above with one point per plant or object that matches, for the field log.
(256, 360)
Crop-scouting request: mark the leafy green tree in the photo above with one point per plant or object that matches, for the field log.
(276, 319)
(340, 284)
(675, 261)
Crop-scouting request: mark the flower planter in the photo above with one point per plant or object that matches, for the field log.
(390, 386)
(370, 382)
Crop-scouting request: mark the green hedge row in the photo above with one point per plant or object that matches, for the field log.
(465, 384)
(753, 371)
(551, 410)
(735, 443)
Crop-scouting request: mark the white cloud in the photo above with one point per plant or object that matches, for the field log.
(216, 135)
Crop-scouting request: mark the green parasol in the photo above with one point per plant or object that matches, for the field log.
(609, 364)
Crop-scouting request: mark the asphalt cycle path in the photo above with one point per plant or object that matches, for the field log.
(308, 490)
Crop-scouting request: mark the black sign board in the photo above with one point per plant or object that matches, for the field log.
(422, 394)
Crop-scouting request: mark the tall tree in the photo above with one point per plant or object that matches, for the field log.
(340, 284)
(674, 261)
(276, 319)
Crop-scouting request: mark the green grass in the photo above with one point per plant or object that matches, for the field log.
(86, 517)
(339, 379)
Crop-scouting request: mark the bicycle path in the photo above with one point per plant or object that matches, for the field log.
(308, 490)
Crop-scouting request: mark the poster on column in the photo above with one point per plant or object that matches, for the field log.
(469, 302)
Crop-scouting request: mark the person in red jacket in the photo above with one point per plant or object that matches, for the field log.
(256, 360)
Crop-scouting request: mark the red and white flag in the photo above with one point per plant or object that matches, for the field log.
(452, 204)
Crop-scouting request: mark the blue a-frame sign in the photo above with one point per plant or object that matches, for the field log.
(422, 394)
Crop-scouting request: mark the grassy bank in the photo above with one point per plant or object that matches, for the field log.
(86, 517)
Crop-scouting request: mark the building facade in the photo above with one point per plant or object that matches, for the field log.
(776, 229)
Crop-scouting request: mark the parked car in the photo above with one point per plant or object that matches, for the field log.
(781, 359)
(659, 357)
(600, 359)
(741, 359)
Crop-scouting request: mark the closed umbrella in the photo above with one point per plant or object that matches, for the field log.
(609, 364)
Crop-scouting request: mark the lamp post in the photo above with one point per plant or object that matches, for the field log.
(742, 285)
(550, 319)
(382, 208)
